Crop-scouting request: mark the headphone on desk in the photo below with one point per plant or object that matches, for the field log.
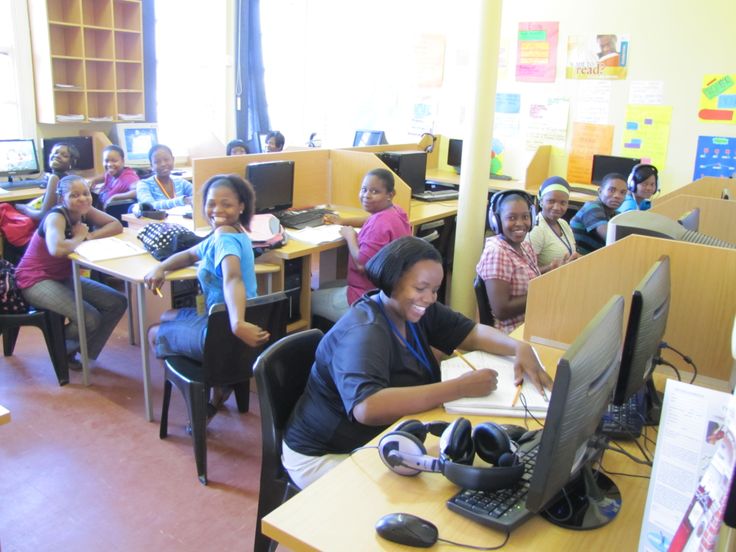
(429, 148)
(497, 200)
(402, 451)
(639, 173)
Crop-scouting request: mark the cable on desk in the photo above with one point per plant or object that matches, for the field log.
(505, 540)
(522, 398)
(689, 360)
(620, 450)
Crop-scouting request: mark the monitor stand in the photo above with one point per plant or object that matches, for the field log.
(588, 501)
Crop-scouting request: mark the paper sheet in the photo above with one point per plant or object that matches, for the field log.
(104, 249)
(316, 234)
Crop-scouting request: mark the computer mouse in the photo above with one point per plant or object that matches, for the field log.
(407, 529)
(513, 431)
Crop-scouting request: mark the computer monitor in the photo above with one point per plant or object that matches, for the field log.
(646, 223)
(136, 139)
(564, 488)
(18, 157)
(273, 182)
(690, 220)
(369, 138)
(606, 164)
(650, 306)
(84, 147)
(455, 153)
(410, 166)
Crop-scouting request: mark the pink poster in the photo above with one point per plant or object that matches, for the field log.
(537, 54)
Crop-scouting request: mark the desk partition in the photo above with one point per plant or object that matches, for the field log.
(717, 216)
(708, 186)
(703, 297)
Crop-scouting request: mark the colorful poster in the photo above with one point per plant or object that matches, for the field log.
(718, 99)
(587, 140)
(537, 53)
(594, 101)
(547, 123)
(603, 56)
(646, 133)
(716, 156)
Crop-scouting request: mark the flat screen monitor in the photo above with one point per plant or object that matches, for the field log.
(455, 152)
(586, 375)
(273, 182)
(690, 220)
(84, 147)
(136, 139)
(18, 157)
(410, 166)
(369, 138)
(606, 164)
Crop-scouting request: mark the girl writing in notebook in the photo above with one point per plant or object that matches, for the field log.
(376, 364)
(162, 191)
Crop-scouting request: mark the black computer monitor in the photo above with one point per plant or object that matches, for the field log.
(650, 306)
(273, 182)
(564, 488)
(82, 143)
(410, 166)
(18, 157)
(455, 153)
(690, 220)
(369, 138)
(606, 164)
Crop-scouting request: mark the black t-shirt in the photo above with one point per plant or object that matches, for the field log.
(359, 356)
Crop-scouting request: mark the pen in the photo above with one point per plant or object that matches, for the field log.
(516, 395)
(459, 355)
(158, 292)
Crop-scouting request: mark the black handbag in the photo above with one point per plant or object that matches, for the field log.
(163, 239)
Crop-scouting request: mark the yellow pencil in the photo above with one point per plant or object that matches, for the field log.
(459, 355)
(158, 292)
(516, 395)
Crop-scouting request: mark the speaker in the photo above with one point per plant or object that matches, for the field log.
(639, 173)
(494, 211)
(402, 451)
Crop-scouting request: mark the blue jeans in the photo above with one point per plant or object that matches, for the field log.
(103, 309)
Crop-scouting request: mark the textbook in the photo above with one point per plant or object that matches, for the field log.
(498, 402)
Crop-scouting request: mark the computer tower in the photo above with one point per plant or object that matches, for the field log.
(411, 166)
(293, 287)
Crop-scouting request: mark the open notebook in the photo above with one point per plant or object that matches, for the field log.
(104, 249)
(499, 402)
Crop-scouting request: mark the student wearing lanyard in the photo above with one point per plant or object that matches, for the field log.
(552, 237)
(376, 364)
(161, 191)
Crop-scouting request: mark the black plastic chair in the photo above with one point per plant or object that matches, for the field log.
(228, 362)
(118, 208)
(52, 326)
(484, 306)
(281, 372)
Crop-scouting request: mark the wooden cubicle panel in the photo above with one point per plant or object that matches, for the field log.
(717, 216)
(708, 186)
(311, 175)
(348, 169)
(538, 169)
(703, 298)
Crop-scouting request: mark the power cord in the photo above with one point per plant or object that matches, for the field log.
(687, 359)
(474, 547)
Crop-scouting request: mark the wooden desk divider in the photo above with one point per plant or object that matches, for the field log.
(707, 186)
(717, 216)
(703, 297)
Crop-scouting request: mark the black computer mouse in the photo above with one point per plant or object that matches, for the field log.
(513, 431)
(407, 529)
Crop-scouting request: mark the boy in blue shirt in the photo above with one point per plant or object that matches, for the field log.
(590, 224)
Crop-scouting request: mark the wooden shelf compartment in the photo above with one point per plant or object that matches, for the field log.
(127, 15)
(129, 76)
(69, 72)
(100, 75)
(65, 40)
(130, 103)
(98, 44)
(101, 104)
(97, 13)
(64, 11)
(69, 103)
(128, 46)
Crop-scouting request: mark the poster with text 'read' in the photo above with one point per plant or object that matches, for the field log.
(537, 52)
(597, 56)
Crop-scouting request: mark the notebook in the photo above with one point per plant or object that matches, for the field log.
(104, 249)
(500, 400)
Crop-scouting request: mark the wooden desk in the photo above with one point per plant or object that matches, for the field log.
(339, 511)
(429, 211)
(23, 194)
(4, 415)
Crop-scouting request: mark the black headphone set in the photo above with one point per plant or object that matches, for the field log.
(639, 173)
(403, 452)
(430, 147)
(494, 212)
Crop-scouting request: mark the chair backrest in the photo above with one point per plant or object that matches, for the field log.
(226, 356)
(119, 207)
(481, 297)
(281, 375)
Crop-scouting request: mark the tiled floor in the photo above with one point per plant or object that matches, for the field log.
(81, 470)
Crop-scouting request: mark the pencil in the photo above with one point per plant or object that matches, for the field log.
(158, 292)
(459, 355)
(516, 395)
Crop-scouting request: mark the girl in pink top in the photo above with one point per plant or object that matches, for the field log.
(118, 182)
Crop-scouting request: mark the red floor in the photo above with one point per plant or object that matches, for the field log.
(80, 468)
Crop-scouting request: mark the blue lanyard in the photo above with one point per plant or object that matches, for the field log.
(417, 353)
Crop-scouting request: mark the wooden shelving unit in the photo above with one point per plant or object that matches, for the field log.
(88, 59)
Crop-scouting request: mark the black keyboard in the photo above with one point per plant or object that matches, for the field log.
(582, 190)
(302, 218)
(625, 422)
(494, 176)
(436, 195)
(504, 509)
(23, 184)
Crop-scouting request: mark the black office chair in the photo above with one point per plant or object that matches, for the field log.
(227, 362)
(484, 306)
(52, 326)
(118, 208)
(282, 372)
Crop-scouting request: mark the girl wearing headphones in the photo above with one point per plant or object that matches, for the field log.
(552, 237)
(508, 260)
(642, 184)
(377, 365)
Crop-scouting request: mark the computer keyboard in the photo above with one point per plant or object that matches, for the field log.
(625, 422)
(504, 509)
(301, 218)
(582, 190)
(23, 184)
(436, 195)
(494, 176)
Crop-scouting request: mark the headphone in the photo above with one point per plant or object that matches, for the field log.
(402, 451)
(430, 147)
(494, 211)
(639, 173)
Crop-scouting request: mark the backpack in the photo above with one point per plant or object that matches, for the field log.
(11, 299)
(163, 239)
